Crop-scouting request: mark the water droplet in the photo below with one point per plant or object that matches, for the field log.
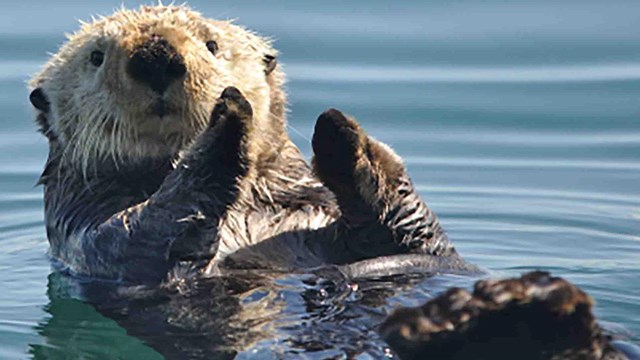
(388, 353)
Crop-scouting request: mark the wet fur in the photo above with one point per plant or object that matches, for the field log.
(216, 188)
(536, 316)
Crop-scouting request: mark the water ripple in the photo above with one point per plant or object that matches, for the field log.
(324, 72)
(526, 163)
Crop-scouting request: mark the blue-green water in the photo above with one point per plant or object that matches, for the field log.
(519, 122)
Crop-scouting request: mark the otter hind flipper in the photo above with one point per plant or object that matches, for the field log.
(381, 210)
(536, 316)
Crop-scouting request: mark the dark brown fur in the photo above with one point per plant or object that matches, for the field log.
(536, 316)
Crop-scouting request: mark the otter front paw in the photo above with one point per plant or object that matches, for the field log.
(376, 197)
(231, 104)
(219, 157)
(362, 172)
(338, 144)
(225, 142)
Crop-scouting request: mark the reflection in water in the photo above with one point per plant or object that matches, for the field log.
(243, 314)
(76, 330)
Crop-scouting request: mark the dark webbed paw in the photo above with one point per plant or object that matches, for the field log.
(231, 104)
(219, 158)
(378, 201)
(352, 165)
(223, 147)
(337, 143)
(212, 171)
(536, 316)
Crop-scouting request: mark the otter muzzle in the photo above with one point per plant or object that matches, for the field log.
(156, 64)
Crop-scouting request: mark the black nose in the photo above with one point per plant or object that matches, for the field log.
(156, 63)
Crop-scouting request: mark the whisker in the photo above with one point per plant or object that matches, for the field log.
(298, 132)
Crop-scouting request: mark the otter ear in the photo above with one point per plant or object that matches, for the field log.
(270, 63)
(39, 100)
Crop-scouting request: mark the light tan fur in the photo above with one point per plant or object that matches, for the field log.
(101, 112)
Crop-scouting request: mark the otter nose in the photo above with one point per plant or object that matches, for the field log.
(156, 63)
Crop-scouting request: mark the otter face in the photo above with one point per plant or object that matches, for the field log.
(142, 83)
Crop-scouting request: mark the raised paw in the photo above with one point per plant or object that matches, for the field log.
(210, 174)
(338, 143)
(231, 104)
(381, 209)
(222, 149)
(362, 172)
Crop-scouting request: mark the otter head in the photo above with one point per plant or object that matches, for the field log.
(141, 84)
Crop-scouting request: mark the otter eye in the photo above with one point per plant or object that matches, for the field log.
(212, 46)
(97, 58)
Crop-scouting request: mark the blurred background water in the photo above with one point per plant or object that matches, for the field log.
(519, 123)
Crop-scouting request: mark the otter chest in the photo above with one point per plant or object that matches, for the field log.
(273, 235)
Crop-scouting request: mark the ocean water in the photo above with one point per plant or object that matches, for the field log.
(519, 123)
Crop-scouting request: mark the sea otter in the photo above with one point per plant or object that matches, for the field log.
(168, 146)
(169, 159)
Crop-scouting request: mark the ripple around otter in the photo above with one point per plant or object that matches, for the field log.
(520, 129)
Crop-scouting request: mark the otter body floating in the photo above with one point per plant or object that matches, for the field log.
(168, 143)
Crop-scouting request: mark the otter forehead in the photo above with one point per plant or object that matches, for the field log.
(187, 30)
(178, 24)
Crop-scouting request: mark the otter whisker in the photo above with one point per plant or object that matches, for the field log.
(115, 141)
(298, 132)
(112, 141)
